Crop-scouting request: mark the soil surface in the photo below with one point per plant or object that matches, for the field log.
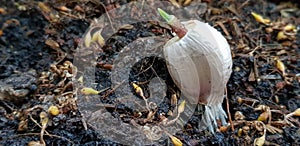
(48, 50)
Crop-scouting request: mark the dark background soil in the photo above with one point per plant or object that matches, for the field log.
(25, 26)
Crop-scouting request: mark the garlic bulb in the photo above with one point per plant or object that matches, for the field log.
(199, 61)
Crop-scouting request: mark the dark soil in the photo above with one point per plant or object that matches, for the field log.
(35, 35)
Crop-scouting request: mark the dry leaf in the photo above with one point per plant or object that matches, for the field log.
(175, 141)
(260, 141)
(63, 8)
(80, 79)
(260, 19)
(240, 132)
(174, 99)
(297, 112)
(280, 66)
(44, 119)
(87, 40)
(263, 117)
(53, 110)
(89, 91)
(44, 7)
(290, 27)
(181, 107)
(53, 44)
(97, 37)
(138, 90)
(2, 11)
(239, 115)
(281, 36)
(35, 143)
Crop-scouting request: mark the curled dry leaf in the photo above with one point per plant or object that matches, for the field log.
(94, 36)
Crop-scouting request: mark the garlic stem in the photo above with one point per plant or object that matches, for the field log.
(174, 23)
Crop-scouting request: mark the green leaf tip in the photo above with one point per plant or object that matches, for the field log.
(164, 14)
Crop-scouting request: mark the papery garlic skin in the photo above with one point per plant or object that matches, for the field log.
(200, 65)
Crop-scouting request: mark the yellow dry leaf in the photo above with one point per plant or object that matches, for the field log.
(89, 91)
(290, 27)
(175, 3)
(240, 131)
(260, 19)
(87, 40)
(174, 99)
(35, 143)
(181, 107)
(263, 117)
(53, 110)
(187, 2)
(297, 112)
(63, 8)
(175, 141)
(44, 118)
(223, 129)
(80, 79)
(44, 7)
(260, 141)
(138, 90)
(280, 66)
(281, 36)
(51, 43)
(97, 37)
(2, 11)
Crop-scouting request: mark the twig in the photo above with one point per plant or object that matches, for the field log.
(243, 4)
(143, 2)
(228, 112)
(113, 89)
(34, 121)
(50, 135)
(106, 12)
(223, 27)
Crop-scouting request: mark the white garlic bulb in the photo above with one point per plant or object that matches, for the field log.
(199, 62)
